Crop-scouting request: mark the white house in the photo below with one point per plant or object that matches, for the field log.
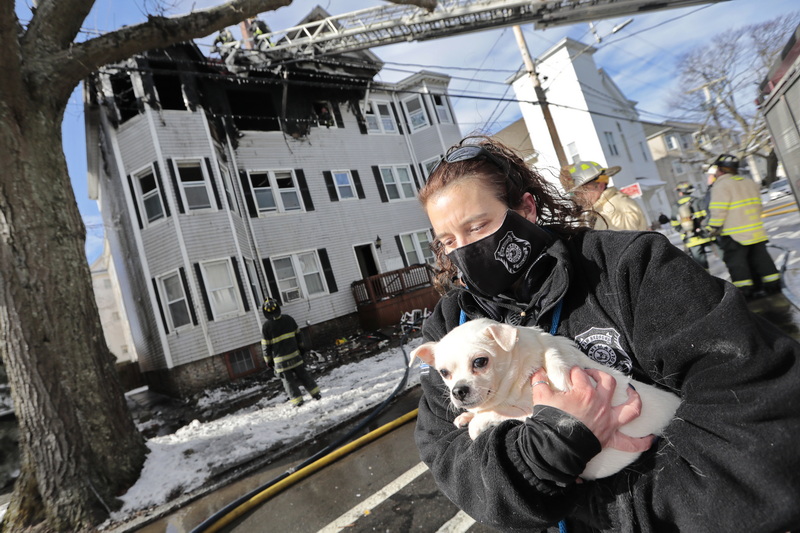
(594, 121)
(223, 183)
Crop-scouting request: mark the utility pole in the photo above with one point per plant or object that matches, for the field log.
(713, 107)
(540, 96)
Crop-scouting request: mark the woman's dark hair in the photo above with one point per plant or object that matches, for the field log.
(509, 180)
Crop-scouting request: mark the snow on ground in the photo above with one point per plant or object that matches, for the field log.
(185, 460)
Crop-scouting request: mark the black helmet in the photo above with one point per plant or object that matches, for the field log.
(271, 308)
(727, 161)
(685, 187)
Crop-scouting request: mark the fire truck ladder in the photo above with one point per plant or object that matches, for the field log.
(394, 23)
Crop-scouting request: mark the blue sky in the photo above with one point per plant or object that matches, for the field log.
(642, 59)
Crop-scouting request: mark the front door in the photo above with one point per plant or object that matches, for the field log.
(365, 254)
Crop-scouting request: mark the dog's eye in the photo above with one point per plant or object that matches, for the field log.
(480, 362)
(444, 373)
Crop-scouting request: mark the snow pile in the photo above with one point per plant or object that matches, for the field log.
(185, 460)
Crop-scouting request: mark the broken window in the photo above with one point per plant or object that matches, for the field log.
(253, 111)
(167, 82)
(124, 98)
(324, 114)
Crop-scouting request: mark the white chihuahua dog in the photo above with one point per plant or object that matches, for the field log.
(488, 367)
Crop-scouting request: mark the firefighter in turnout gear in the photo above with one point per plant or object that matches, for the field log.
(735, 220)
(687, 219)
(283, 351)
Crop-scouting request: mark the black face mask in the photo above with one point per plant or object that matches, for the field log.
(492, 265)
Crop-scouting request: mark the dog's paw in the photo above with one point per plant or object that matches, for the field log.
(463, 419)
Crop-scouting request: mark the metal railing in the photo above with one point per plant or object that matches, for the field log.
(391, 284)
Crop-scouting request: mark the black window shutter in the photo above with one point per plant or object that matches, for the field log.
(161, 189)
(337, 113)
(213, 182)
(357, 181)
(400, 248)
(330, 185)
(188, 295)
(135, 202)
(238, 274)
(327, 270)
(361, 119)
(379, 181)
(253, 282)
(248, 194)
(203, 292)
(422, 177)
(160, 307)
(174, 178)
(397, 118)
(271, 281)
(301, 180)
(414, 176)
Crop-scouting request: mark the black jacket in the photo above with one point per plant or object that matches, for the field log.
(730, 461)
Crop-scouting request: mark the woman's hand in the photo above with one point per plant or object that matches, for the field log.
(591, 404)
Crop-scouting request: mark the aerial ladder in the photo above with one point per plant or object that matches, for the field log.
(395, 23)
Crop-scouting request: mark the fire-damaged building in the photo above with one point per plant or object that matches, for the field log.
(225, 180)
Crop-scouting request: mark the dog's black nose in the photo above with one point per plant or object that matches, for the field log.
(460, 392)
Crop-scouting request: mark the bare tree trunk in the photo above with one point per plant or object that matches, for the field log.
(79, 445)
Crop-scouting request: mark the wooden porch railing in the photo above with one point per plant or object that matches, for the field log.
(391, 284)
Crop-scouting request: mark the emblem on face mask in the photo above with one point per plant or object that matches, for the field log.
(512, 252)
(602, 345)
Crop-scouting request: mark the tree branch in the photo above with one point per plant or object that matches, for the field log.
(9, 54)
(55, 24)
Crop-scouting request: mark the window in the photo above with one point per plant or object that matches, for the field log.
(685, 142)
(150, 195)
(442, 109)
(397, 182)
(417, 248)
(612, 145)
(175, 301)
(429, 164)
(344, 184)
(221, 286)
(644, 151)
(298, 276)
(416, 113)
(380, 118)
(672, 142)
(325, 116)
(677, 167)
(574, 155)
(240, 362)
(275, 191)
(194, 186)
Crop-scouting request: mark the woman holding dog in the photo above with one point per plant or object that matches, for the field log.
(511, 249)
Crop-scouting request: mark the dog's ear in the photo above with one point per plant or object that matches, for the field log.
(424, 352)
(505, 335)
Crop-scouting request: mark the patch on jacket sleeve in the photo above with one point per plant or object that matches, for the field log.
(603, 346)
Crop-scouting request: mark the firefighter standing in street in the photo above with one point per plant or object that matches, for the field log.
(588, 182)
(283, 351)
(735, 220)
(688, 215)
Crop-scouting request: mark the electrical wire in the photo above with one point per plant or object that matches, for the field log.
(228, 513)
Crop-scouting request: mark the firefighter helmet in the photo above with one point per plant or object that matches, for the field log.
(727, 161)
(685, 187)
(583, 172)
(271, 308)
